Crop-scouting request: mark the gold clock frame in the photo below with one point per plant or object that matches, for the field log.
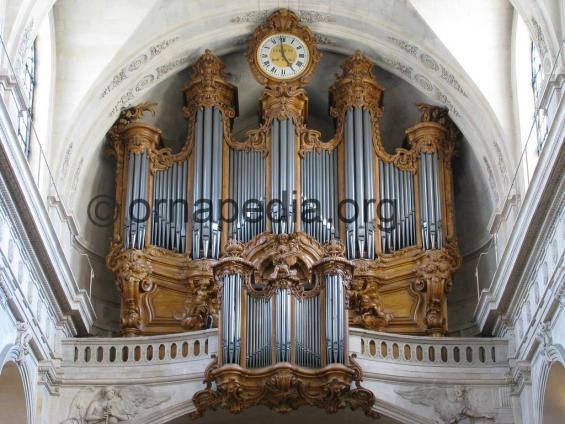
(282, 21)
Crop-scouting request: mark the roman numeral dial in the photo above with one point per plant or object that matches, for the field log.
(283, 56)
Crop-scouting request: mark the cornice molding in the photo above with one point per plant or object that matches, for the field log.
(33, 224)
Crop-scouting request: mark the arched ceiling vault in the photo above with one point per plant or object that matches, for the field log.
(171, 38)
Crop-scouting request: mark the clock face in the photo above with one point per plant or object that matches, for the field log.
(283, 56)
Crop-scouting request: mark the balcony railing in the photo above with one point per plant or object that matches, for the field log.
(434, 351)
(151, 350)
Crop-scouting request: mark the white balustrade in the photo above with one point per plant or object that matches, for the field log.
(124, 351)
(417, 350)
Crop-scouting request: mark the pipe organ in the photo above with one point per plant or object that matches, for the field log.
(283, 240)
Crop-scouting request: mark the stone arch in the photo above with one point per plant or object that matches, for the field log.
(16, 390)
(550, 379)
(553, 405)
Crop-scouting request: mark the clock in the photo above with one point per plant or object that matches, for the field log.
(282, 51)
(283, 56)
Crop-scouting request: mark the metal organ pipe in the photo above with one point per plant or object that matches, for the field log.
(350, 185)
(396, 189)
(359, 183)
(169, 202)
(208, 142)
(282, 174)
(259, 325)
(358, 147)
(136, 201)
(247, 181)
(231, 318)
(335, 319)
(319, 183)
(430, 201)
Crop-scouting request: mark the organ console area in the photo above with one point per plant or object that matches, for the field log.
(283, 240)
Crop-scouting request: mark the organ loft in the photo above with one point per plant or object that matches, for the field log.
(283, 240)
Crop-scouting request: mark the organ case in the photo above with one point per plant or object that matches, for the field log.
(401, 241)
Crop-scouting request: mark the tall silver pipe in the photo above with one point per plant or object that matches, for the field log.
(412, 214)
(328, 186)
(291, 167)
(400, 218)
(369, 182)
(262, 176)
(275, 162)
(397, 206)
(407, 176)
(216, 174)
(283, 170)
(424, 200)
(359, 178)
(305, 192)
(438, 203)
(244, 195)
(197, 188)
(350, 184)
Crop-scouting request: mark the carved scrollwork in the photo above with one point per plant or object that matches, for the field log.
(283, 388)
(133, 275)
(209, 87)
(434, 277)
(356, 87)
(435, 132)
(127, 116)
(430, 113)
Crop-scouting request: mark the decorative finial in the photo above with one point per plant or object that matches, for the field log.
(334, 248)
(233, 248)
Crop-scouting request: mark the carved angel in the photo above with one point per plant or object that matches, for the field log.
(368, 309)
(110, 405)
(451, 405)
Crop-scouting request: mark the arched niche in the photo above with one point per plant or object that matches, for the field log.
(12, 395)
(554, 395)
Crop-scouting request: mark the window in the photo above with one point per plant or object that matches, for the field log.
(536, 69)
(540, 123)
(28, 85)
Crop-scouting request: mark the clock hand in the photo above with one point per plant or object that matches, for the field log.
(283, 55)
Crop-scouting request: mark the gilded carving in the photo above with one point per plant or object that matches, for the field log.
(434, 278)
(133, 275)
(283, 389)
(209, 87)
(366, 306)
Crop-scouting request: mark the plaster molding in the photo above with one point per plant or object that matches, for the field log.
(448, 87)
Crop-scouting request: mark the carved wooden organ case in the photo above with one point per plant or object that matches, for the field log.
(302, 238)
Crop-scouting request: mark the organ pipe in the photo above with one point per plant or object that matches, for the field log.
(284, 323)
(208, 148)
(319, 184)
(283, 175)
